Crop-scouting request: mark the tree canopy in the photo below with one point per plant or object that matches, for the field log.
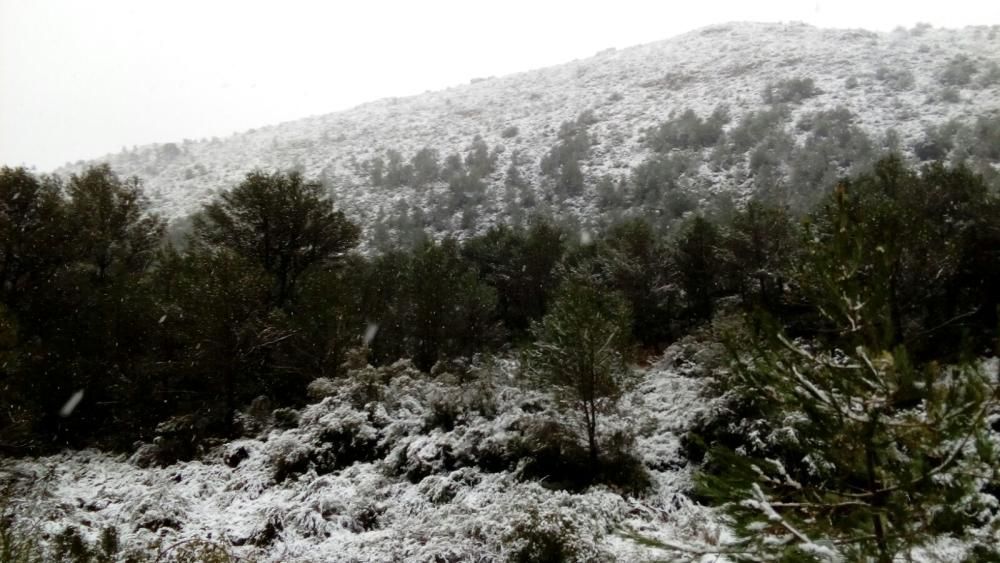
(281, 221)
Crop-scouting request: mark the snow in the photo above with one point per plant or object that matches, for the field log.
(371, 473)
(409, 499)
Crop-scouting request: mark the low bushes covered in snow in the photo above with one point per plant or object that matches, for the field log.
(390, 464)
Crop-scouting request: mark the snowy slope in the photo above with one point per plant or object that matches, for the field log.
(628, 91)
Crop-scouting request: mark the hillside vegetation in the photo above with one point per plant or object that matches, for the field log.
(721, 331)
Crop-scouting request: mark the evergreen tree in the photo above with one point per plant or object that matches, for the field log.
(451, 311)
(280, 221)
(33, 234)
(397, 173)
(217, 333)
(93, 328)
(425, 166)
(520, 266)
(938, 231)
(865, 452)
(479, 162)
(114, 231)
(697, 261)
(759, 248)
(635, 263)
(580, 353)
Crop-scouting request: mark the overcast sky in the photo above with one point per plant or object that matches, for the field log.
(79, 79)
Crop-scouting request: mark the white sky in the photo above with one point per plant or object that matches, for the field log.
(82, 78)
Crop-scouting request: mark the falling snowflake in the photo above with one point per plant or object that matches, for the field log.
(71, 404)
(370, 331)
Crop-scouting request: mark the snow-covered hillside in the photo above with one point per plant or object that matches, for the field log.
(896, 81)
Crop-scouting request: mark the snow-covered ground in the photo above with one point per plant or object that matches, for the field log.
(423, 497)
(395, 465)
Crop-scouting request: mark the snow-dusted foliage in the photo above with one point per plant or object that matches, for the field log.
(389, 465)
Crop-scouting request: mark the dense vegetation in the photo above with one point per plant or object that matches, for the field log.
(109, 335)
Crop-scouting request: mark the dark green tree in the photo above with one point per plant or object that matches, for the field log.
(95, 337)
(114, 231)
(698, 265)
(479, 161)
(34, 245)
(216, 333)
(759, 248)
(451, 311)
(635, 262)
(280, 221)
(326, 320)
(521, 267)
(33, 233)
(938, 231)
(562, 162)
(397, 172)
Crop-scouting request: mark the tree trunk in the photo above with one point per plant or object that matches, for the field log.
(591, 415)
(873, 487)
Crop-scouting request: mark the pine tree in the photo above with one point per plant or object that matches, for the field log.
(280, 221)
(698, 264)
(866, 453)
(579, 354)
(759, 247)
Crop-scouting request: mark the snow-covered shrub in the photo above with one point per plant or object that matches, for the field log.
(790, 90)
(321, 388)
(949, 94)
(179, 438)
(688, 131)
(70, 546)
(550, 528)
(898, 79)
(159, 509)
(285, 418)
(346, 436)
(196, 550)
(990, 76)
(255, 418)
(958, 71)
(288, 456)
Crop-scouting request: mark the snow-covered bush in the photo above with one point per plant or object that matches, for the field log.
(790, 90)
(289, 457)
(958, 71)
(898, 79)
(178, 438)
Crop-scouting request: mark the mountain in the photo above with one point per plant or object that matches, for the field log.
(797, 107)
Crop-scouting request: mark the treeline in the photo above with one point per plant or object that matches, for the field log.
(267, 294)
